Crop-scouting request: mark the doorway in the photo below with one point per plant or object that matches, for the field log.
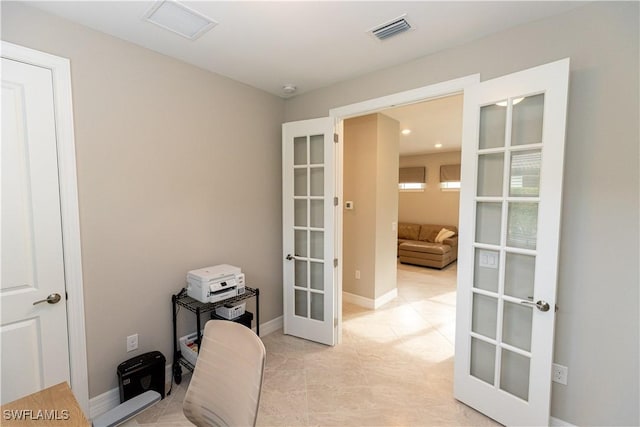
(418, 303)
(421, 143)
(390, 102)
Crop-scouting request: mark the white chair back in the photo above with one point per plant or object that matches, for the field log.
(226, 383)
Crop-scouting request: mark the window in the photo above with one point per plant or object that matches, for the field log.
(450, 186)
(450, 177)
(411, 186)
(412, 179)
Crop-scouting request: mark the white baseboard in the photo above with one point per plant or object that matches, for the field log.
(270, 326)
(371, 304)
(389, 296)
(556, 422)
(102, 403)
(110, 399)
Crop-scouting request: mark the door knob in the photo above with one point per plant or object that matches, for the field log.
(289, 257)
(540, 305)
(51, 299)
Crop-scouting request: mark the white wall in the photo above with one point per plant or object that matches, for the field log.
(431, 206)
(178, 168)
(597, 334)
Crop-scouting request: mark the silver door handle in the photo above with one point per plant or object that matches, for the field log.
(51, 299)
(540, 305)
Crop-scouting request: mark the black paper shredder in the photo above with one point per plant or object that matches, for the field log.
(141, 373)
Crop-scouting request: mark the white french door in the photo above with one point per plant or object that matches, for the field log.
(308, 190)
(35, 348)
(510, 202)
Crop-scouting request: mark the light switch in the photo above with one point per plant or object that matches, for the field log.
(488, 259)
(348, 204)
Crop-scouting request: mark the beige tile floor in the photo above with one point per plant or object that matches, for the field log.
(394, 367)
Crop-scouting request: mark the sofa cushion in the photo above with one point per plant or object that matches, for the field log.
(428, 234)
(401, 241)
(444, 234)
(408, 231)
(427, 229)
(451, 241)
(426, 247)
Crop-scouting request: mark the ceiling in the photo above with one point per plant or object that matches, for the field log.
(309, 44)
(313, 44)
(437, 121)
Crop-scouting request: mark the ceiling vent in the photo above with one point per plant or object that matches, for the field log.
(180, 19)
(391, 28)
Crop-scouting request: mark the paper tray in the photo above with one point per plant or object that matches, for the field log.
(188, 347)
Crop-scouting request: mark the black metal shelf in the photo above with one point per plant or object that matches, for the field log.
(193, 305)
(181, 299)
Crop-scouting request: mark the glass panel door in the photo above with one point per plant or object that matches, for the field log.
(510, 200)
(308, 218)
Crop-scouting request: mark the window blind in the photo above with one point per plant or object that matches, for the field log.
(449, 173)
(412, 175)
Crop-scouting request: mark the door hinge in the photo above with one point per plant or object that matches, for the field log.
(335, 138)
(335, 322)
(335, 201)
(335, 262)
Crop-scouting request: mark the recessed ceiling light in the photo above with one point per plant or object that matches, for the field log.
(406, 131)
(438, 145)
(179, 19)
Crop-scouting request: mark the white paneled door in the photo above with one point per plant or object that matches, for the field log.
(308, 192)
(34, 339)
(510, 201)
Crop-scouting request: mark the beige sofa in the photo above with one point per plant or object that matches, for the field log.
(417, 245)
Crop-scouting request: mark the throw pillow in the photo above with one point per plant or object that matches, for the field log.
(444, 234)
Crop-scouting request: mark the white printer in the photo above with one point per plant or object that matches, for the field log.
(216, 283)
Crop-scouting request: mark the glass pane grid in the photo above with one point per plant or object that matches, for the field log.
(316, 271)
(513, 349)
(492, 126)
(514, 374)
(503, 360)
(483, 151)
(485, 293)
(483, 338)
(482, 354)
(527, 122)
(308, 227)
(316, 149)
(300, 151)
(516, 325)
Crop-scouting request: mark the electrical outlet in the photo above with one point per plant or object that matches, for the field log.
(132, 342)
(559, 374)
(358, 274)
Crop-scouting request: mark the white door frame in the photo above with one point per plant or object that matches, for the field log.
(339, 114)
(61, 76)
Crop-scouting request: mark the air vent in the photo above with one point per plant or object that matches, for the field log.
(178, 18)
(391, 28)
